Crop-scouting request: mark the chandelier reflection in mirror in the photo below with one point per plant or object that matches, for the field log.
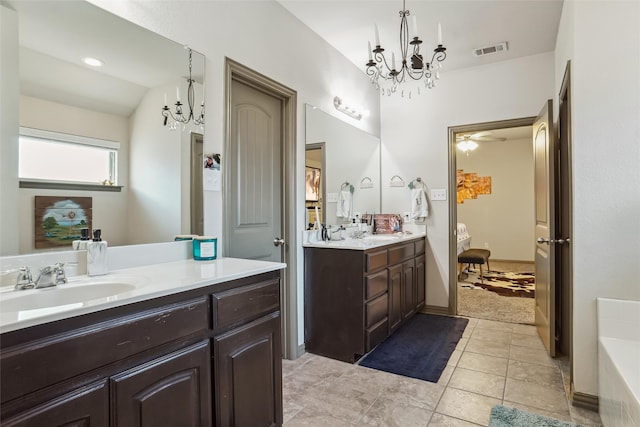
(177, 117)
(412, 64)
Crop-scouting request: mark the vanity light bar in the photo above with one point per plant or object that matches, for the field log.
(349, 111)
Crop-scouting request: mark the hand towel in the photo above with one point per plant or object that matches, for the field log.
(419, 207)
(343, 209)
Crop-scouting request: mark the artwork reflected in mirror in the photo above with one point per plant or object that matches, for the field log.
(58, 220)
(312, 184)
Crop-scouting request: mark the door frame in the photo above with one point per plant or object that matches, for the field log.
(453, 208)
(196, 185)
(565, 122)
(288, 289)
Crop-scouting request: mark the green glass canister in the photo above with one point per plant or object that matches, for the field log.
(205, 248)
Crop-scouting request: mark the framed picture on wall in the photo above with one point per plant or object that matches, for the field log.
(312, 184)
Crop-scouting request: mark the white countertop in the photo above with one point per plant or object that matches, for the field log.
(368, 242)
(21, 309)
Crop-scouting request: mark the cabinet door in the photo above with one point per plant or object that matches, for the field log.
(408, 289)
(420, 282)
(170, 391)
(86, 407)
(248, 374)
(395, 297)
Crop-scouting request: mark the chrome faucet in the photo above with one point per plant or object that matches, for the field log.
(51, 275)
(24, 280)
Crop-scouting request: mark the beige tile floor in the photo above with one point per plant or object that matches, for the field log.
(494, 363)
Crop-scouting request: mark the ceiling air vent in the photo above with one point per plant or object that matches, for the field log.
(500, 47)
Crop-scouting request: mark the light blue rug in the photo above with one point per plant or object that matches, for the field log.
(502, 416)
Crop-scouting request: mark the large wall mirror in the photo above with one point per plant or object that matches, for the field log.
(120, 101)
(340, 157)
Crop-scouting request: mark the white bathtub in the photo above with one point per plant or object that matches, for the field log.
(619, 362)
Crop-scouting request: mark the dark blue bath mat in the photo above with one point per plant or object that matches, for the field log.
(419, 349)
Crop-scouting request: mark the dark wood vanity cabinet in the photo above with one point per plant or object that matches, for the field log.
(85, 406)
(354, 299)
(204, 357)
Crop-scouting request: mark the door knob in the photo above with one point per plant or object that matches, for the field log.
(543, 240)
(278, 241)
(563, 241)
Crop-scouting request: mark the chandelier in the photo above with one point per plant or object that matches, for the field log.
(412, 65)
(178, 116)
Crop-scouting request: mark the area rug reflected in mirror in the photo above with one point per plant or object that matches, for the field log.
(419, 349)
(502, 416)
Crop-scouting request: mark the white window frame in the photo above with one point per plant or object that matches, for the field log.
(72, 139)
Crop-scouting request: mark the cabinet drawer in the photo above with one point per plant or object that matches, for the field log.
(375, 284)
(376, 334)
(400, 253)
(246, 303)
(97, 345)
(377, 309)
(419, 245)
(376, 260)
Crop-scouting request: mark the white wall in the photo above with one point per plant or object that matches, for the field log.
(414, 135)
(503, 219)
(265, 37)
(9, 97)
(606, 155)
(108, 208)
(159, 165)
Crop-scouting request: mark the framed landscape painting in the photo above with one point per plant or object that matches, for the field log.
(58, 220)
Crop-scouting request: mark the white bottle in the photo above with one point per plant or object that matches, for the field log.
(97, 255)
(81, 245)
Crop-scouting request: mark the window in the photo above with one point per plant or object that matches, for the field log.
(57, 157)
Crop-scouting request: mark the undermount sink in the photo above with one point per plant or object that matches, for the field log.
(70, 295)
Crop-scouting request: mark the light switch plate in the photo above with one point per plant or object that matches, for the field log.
(439, 194)
(332, 197)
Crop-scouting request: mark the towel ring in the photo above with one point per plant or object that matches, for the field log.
(345, 185)
(419, 181)
(393, 182)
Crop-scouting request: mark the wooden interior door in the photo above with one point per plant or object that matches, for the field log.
(254, 199)
(544, 166)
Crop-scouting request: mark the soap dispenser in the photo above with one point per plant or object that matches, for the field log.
(97, 255)
(83, 242)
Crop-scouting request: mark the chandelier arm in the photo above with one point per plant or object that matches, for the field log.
(416, 75)
(190, 97)
(382, 60)
(404, 35)
(439, 54)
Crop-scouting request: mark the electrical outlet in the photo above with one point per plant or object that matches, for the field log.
(486, 245)
(439, 194)
(406, 217)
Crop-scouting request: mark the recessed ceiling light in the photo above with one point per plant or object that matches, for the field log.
(94, 62)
